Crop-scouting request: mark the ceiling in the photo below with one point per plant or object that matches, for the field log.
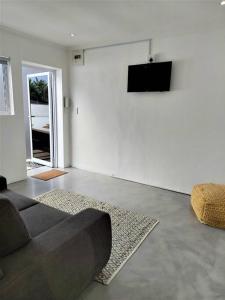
(104, 22)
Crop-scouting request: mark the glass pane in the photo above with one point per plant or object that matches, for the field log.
(39, 90)
(38, 86)
(4, 90)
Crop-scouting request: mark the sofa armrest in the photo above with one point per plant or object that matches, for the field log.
(3, 183)
(92, 225)
(74, 251)
(59, 263)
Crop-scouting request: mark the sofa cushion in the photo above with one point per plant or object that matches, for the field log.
(13, 232)
(40, 217)
(1, 274)
(19, 201)
(3, 183)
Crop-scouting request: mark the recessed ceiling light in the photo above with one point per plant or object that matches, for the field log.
(72, 35)
(222, 2)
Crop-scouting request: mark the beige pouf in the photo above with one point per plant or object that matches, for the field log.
(208, 202)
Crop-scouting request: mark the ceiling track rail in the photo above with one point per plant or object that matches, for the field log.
(121, 44)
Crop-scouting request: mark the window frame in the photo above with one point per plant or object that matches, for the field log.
(11, 110)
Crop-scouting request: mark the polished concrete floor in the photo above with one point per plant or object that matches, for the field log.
(180, 260)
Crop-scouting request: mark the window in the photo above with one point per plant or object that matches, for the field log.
(6, 95)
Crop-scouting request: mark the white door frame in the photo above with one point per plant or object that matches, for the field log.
(61, 136)
(51, 115)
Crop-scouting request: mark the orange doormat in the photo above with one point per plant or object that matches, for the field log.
(49, 175)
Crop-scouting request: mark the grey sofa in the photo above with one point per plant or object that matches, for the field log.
(46, 254)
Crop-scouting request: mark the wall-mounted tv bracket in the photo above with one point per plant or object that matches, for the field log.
(150, 57)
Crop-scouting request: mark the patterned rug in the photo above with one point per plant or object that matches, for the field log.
(31, 165)
(129, 229)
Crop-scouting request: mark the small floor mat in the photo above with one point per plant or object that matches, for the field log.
(49, 175)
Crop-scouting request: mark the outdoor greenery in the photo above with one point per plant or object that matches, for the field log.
(38, 91)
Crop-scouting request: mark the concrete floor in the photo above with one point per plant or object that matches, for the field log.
(180, 260)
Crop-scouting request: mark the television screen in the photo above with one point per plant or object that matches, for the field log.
(152, 77)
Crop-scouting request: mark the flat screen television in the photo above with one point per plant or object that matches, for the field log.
(151, 77)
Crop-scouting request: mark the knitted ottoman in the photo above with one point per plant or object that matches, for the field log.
(208, 202)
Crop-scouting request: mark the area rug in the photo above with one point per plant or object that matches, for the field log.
(49, 174)
(129, 229)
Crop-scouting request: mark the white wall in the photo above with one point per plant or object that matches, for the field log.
(12, 129)
(170, 140)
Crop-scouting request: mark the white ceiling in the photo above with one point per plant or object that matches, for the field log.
(109, 21)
